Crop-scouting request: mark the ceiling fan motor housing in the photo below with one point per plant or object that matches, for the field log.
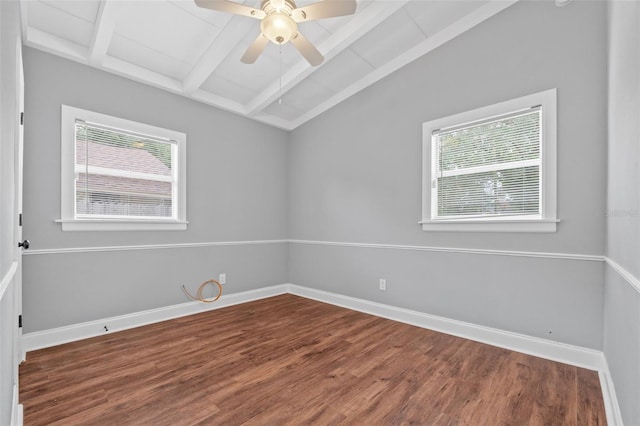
(269, 6)
(278, 26)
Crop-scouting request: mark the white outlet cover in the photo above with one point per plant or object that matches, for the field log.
(383, 284)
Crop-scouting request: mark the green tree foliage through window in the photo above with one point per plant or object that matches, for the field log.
(490, 167)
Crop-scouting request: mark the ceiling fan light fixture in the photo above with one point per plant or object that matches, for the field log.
(279, 22)
(278, 27)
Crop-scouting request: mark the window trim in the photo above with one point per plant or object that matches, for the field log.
(548, 172)
(68, 221)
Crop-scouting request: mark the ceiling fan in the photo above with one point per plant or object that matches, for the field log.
(279, 21)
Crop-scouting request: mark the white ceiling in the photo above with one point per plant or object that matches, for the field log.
(195, 52)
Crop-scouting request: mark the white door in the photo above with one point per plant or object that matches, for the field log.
(19, 355)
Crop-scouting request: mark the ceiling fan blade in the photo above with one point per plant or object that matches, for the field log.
(324, 9)
(231, 7)
(254, 50)
(308, 50)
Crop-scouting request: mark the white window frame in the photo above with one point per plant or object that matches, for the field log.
(68, 219)
(547, 220)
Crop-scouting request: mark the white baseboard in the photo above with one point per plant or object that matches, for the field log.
(72, 333)
(614, 416)
(16, 409)
(548, 349)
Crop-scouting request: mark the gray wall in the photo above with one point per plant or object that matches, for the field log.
(236, 191)
(622, 298)
(355, 176)
(77, 287)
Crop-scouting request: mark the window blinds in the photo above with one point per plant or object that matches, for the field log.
(489, 168)
(121, 174)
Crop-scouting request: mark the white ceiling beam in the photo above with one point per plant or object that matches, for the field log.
(103, 31)
(140, 74)
(361, 24)
(464, 24)
(55, 45)
(235, 30)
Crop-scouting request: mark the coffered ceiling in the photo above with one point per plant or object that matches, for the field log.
(176, 46)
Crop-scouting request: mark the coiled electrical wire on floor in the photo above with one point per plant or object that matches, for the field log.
(199, 296)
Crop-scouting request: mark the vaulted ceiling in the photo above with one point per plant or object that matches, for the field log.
(195, 52)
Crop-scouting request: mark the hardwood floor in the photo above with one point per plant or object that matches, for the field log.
(290, 360)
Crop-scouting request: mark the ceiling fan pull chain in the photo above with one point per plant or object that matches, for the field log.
(280, 100)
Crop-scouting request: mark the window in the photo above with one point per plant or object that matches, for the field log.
(493, 168)
(120, 175)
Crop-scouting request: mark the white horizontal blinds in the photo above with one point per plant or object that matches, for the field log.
(121, 174)
(490, 168)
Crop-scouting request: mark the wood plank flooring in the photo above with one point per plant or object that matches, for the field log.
(290, 360)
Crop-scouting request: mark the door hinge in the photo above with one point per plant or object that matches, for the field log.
(20, 219)
(19, 321)
(22, 118)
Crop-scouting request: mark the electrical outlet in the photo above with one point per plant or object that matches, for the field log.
(383, 284)
(222, 279)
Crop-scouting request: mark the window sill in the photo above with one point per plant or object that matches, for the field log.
(543, 225)
(121, 225)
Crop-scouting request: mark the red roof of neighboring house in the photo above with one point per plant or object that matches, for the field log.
(125, 159)
(113, 157)
(123, 185)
